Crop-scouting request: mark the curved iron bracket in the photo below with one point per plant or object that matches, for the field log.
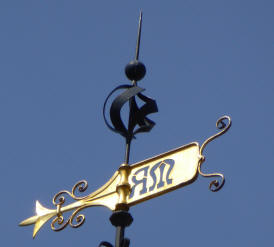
(137, 116)
(223, 124)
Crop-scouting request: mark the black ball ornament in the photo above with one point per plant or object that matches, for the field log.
(135, 70)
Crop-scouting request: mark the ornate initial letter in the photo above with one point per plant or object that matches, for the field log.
(161, 165)
(142, 181)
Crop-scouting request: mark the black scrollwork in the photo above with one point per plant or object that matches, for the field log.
(137, 116)
(223, 124)
(135, 71)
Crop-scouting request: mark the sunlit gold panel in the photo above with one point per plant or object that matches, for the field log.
(163, 173)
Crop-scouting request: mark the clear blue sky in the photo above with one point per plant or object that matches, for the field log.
(205, 58)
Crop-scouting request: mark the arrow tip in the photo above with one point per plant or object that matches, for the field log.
(42, 216)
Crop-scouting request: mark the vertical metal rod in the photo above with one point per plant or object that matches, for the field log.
(127, 151)
(139, 36)
(120, 231)
(128, 140)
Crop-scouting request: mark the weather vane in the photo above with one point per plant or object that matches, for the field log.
(136, 183)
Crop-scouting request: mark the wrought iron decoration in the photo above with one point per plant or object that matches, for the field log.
(135, 71)
(131, 184)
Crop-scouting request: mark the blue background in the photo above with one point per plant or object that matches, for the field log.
(60, 58)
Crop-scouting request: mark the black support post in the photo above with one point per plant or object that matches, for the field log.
(121, 220)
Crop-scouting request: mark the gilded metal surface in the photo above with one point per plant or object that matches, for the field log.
(105, 196)
(215, 185)
(123, 188)
(163, 173)
(132, 184)
(128, 186)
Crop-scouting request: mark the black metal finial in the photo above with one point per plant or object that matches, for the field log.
(139, 36)
(135, 70)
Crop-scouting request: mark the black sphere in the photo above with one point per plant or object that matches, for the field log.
(135, 70)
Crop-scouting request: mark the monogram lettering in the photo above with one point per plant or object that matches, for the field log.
(142, 181)
(158, 178)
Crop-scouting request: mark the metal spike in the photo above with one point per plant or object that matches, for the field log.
(139, 36)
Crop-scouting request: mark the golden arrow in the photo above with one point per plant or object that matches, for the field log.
(132, 184)
(105, 196)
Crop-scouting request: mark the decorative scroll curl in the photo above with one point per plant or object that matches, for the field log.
(59, 199)
(137, 116)
(223, 124)
(59, 220)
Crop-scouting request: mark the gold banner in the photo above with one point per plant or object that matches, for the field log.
(163, 173)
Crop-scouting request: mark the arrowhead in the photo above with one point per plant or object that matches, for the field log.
(42, 216)
(29, 221)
